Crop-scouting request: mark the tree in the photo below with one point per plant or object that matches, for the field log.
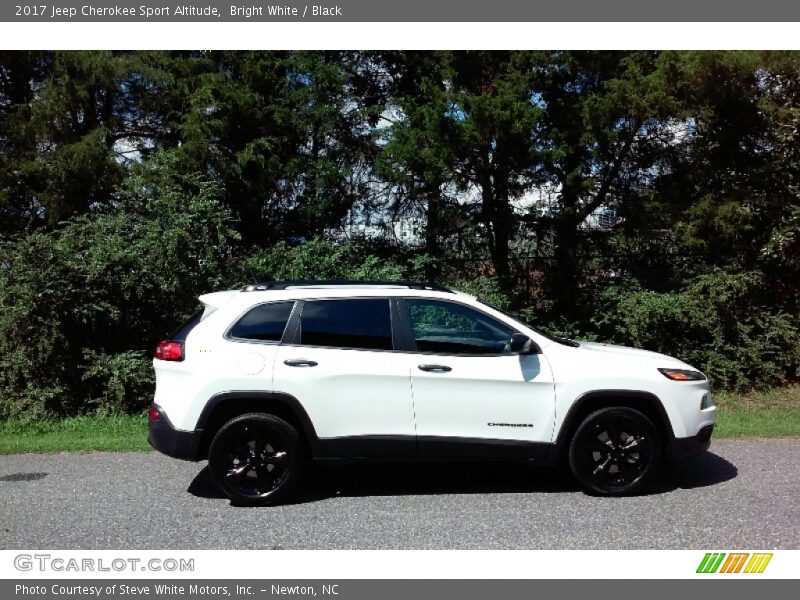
(607, 119)
(466, 125)
(63, 116)
(286, 132)
(417, 157)
(496, 117)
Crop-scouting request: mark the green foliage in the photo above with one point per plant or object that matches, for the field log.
(123, 381)
(487, 289)
(81, 306)
(784, 242)
(562, 327)
(718, 324)
(318, 259)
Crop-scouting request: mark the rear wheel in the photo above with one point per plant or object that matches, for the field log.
(615, 451)
(255, 459)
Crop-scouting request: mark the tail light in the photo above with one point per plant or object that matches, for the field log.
(169, 350)
(154, 414)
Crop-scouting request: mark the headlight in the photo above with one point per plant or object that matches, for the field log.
(682, 374)
(706, 401)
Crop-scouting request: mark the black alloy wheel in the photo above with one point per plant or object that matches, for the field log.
(255, 459)
(615, 451)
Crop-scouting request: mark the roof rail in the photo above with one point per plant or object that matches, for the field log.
(275, 284)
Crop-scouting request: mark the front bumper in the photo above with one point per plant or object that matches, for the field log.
(173, 442)
(681, 448)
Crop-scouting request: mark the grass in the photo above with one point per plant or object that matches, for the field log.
(768, 413)
(75, 434)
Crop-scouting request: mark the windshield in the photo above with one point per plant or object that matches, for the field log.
(559, 340)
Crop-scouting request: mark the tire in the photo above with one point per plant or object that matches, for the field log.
(615, 452)
(256, 459)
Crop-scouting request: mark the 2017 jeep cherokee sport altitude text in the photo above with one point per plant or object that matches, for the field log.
(281, 372)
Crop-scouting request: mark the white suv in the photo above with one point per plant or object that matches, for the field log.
(284, 371)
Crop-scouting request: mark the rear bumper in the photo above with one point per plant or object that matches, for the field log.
(162, 436)
(681, 448)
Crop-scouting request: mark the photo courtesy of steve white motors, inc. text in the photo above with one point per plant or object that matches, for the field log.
(245, 11)
(158, 589)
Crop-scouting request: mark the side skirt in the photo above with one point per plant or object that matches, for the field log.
(431, 448)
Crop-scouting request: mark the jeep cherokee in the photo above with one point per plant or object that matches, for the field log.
(266, 378)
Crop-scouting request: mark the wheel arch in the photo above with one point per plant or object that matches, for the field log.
(224, 406)
(646, 402)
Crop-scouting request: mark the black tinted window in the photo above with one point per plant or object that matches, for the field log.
(347, 324)
(265, 322)
(449, 328)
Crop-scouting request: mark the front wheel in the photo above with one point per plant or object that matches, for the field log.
(255, 459)
(615, 451)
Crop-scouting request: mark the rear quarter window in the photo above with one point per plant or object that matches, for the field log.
(263, 323)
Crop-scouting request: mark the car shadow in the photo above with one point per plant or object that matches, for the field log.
(435, 478)
(324, 481)
(703, 470)
(479, 477)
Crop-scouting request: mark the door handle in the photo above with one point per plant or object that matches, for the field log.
(299, 362)
(435, 368)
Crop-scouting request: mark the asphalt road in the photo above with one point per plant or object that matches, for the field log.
(742, 494)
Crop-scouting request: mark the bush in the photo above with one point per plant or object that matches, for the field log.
(122, 381)
(485, 288)
(81, 307)
(317, 259)
(720, 324)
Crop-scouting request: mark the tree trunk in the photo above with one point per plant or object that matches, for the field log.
(563, 276)
(497, 218)
(564, 270)
(433, 231)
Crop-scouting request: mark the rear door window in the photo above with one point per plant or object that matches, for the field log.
(353, 324)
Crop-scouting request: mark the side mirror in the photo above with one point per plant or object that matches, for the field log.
(522, 344)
